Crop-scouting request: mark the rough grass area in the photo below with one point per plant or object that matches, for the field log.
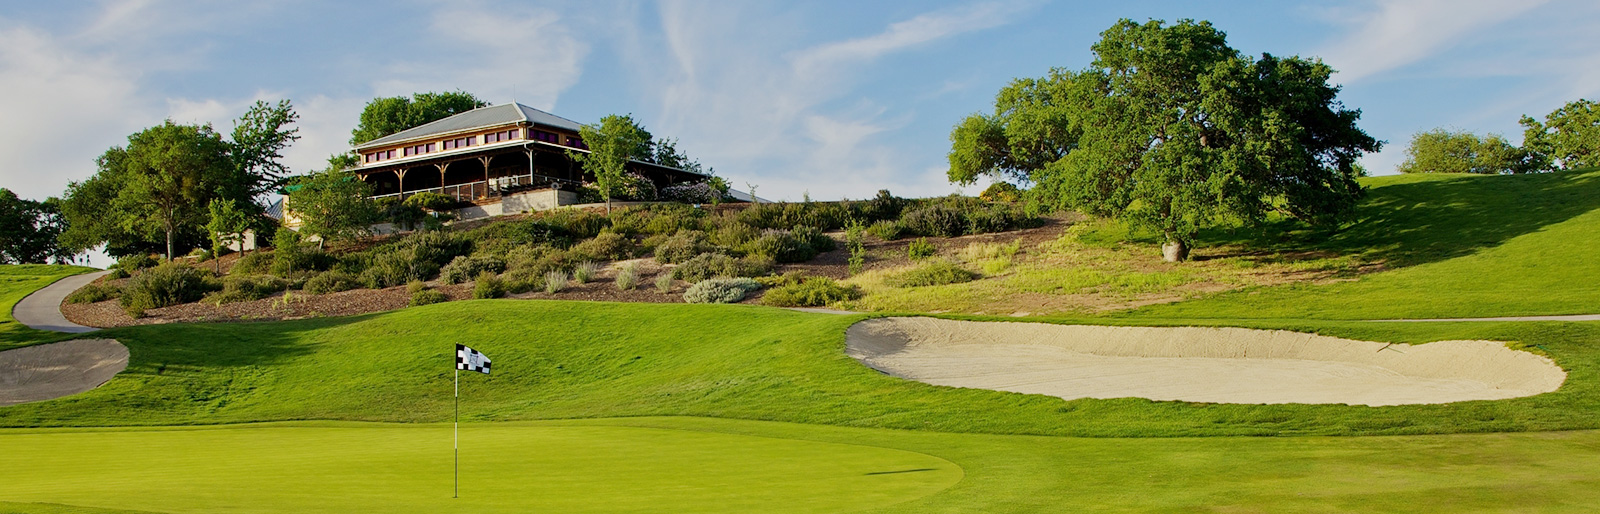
(17, 282)
(589, 359)
(682, 464)
(1464, 246)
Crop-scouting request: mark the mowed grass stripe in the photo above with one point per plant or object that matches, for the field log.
(506, 467)
(718, 465)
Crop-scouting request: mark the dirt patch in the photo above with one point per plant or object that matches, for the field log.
(49, 371)
(1217, 365)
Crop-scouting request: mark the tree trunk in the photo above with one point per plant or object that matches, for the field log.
(1175, 250)
(169, 242)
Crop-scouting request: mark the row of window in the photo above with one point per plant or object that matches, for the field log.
(504, 135)
(463, 142)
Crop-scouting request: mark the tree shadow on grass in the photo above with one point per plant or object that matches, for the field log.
(1421, 220)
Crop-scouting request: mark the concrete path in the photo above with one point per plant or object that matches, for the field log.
(42, 309)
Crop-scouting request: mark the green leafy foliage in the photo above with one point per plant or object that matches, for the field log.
(29, 229)
(682, 246)
(1568, 138)
(385, 116)
(810, 292)
(135, 262)
(936, 272)
(466, 267)
(244, 288)
(422, 297)
(921, 249)
(488, 285)
(332, 281)
(720, 290)
(1172, 129)
(1444, 151)
(333, 204)
(612, 143)
(607, 246)
(94, 293)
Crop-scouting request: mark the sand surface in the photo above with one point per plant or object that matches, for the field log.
(1219, 365)
(48, 371)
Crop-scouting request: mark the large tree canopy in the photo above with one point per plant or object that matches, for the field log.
(28, 230)
(1444, 151)
(1568, 138)
(384, 116)
(1172, 129)
(153, 193)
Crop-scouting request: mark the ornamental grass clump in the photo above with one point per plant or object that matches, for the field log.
(555, 281)
(664, 282)
(585, 271)
(720, 290)
(682, 246)
(921, 249)
(934, 273)
(627, 277)
(332, 281)
(427, 297)
(711, 265)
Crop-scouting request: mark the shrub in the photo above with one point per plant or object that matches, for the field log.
(555, 281)
(94, 293)
(682, 246)
(885, 206)
(117, 273)
(788, 245)
(732, 234)
(585, 271)
(608, 246)
(256, 262)
(938, 220)
(415, 285)
(136, 262)
(332, 281)
(810, 292)
(856, 240)
(720, 290)
(664, 283)
(1003, 192)
(464, 268)
(244, 288)
(417, 257)
(522, 280)
(577, 224)
(934, 273)
(164, 285)
(921, 248)
(712, 265)
(627, 277)
(887, 230)
(432, 201)
(815, 239)
(488, 285)
(427, 297)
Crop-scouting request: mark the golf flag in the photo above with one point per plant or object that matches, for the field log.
(471, 360)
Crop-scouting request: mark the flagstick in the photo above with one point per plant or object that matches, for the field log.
(457, 443)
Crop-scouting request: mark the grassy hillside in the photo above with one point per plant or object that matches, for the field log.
(590, 359)
(1457, 246)
(16, 282)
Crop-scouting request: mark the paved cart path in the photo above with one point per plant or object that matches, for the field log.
(42, 309)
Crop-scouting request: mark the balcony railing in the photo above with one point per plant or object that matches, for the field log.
(483, 189)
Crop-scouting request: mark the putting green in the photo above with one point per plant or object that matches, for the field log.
(505, 467)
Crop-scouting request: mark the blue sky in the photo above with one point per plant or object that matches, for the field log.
(834, 99)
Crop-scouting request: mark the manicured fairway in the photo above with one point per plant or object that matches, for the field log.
(506, 467)
(712, 465)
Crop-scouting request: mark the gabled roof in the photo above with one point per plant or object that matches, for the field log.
(482, 117)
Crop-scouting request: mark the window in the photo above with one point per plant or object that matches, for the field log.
(428, 148)
(472, 140)
(389, 154)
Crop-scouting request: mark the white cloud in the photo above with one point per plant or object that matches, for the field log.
(496, 52)
(760, 108)
(62, 107)
(1402, 32)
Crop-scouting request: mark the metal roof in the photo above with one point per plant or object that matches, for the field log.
(482, 117)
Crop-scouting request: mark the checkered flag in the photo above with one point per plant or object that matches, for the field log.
(468, 359)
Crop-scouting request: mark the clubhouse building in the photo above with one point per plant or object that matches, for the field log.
(503, 159)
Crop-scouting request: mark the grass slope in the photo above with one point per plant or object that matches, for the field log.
(1459, 246)
(17, 282)
(583, 359)
(713, 465)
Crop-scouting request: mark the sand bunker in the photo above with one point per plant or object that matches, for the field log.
(1220, 365)
(55, 370)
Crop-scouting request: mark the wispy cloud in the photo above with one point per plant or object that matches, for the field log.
(496, 52)
(1397, 33)
(763, 109)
